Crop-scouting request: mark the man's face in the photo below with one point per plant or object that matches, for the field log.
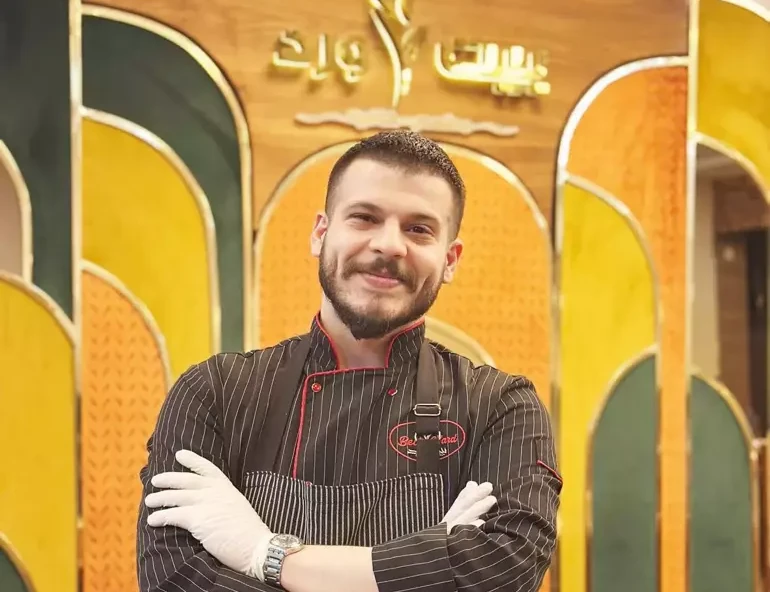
(386, 247)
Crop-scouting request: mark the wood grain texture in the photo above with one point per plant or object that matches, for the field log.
(584, 41)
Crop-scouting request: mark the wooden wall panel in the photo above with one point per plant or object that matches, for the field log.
(584, 40)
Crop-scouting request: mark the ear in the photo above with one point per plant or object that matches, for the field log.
(319, 232)
(452, 260)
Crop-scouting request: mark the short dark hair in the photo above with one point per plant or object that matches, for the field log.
(410, 152)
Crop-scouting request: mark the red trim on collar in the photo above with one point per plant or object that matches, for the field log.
(387, 353)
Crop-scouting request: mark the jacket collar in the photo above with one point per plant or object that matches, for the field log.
(404, 347)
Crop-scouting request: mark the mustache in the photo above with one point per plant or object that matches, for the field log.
(381, 266)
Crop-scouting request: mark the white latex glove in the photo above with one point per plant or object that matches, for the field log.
(211, 508)
(473, 502)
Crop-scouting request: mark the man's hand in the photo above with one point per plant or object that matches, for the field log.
(473, 502)
(212, 509)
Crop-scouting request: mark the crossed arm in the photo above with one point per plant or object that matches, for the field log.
(511, 550)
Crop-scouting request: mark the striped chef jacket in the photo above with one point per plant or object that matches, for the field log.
(339, 466)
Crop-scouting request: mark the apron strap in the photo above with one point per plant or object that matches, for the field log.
(428, 411)
(265, 448)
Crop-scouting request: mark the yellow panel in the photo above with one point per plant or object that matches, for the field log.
(607, 317)
(38, 496)
(121, 346)
(504, 277)
(733, 82)
(146, 222)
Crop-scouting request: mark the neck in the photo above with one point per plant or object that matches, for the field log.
(352, 352)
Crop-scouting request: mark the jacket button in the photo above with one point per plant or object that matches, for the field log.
(316, 387)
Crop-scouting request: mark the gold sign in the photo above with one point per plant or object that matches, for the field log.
(347, 57)
(507, 71)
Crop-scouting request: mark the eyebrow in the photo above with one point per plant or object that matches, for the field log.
(369, 207)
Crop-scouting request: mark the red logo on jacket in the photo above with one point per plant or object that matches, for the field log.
(403, 439)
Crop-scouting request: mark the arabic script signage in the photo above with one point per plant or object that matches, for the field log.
(512, 71)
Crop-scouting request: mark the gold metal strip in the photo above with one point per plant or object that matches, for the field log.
(149, 320)
(204, 208)
(752, 6)
(76, 229)
(752, 446)
(738, 157)
(563, 152)
(15, 558)
(691, 166)
(25, 209)
(620, 374)
(241, 126)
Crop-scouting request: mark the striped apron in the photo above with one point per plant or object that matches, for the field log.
(361, 514)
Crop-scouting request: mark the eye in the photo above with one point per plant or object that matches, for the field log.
(420, 229)
(363, 217)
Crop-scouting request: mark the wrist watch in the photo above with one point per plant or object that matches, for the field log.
(278, 548)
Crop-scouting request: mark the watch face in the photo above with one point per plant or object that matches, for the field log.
(286, 541)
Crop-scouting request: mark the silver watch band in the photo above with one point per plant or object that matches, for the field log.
(278, 549)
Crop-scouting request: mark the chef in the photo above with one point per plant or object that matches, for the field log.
(359, 456)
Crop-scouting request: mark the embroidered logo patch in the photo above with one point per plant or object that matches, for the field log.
(403, 439)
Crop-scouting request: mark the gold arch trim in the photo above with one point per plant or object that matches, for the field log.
(15, 558)
(140, 307)
(755, 7)
(620, 374)
(25, 209)
(76, 228)
(44, 300)
(453, 335)
(202, 203)
(595, 90)
(737, 157)
(241, 126)
(753, 446)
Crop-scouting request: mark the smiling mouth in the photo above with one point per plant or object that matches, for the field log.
(381, 281)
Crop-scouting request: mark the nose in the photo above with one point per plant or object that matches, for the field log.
(389, 240)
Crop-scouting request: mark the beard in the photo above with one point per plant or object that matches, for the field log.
(372, 320)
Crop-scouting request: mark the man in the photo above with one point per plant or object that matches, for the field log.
(327, 461)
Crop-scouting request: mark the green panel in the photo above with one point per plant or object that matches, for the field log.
(35, 125)
(624, 548)
(10, 578)
(720, 496)
(140, 76)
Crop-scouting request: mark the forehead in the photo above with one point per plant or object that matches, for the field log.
(391, 188)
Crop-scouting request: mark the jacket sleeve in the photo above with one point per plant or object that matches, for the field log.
(170, 559)
(513, 548)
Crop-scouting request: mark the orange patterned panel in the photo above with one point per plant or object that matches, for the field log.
(632, 142)
(501, 293)
(124, 383)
